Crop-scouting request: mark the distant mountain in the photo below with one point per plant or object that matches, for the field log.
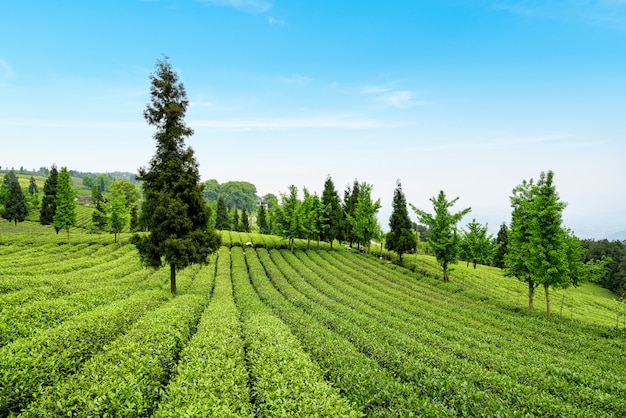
(618, 236)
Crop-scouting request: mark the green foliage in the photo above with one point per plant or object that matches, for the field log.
(245, 223)
(15, 208)
(222, 222)
(615, 277)
(211, 190)
(238, 194)
(501, 246)
(541, 250)
(334, 220)
(65, 213)
(48, 202)
(364, 222)
(350, 200)
(262, 220)
(314, 216)
(289, 217)
(173, 209)
(475, 245)
(444, 238)
(401, 237)
(118, 208)
(99, 217)
(32, 186)
(89, 181)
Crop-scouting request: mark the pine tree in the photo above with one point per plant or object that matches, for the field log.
(401, 237)
(32, 186)
(65, 214)
(236, 225)
(444, 238)
(262, 220)
(350, 200)
(501, 249)
(334, 221)
(222, 223)
(173, 210)
(99, 216)
(48, 202)
(15, 207)
(245, 223)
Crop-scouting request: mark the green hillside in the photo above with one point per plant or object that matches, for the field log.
(263, 331)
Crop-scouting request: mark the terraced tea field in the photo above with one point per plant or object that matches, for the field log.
(260, 331)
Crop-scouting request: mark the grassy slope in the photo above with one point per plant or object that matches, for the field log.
(478, 321)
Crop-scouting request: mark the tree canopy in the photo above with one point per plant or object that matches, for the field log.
(401, 237)
(48, 202)
(444, 237)
(15, 207)
(65, 214)
(173, 210)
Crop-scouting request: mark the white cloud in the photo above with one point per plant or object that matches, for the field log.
(249, 6)
(401, 98)
(5, 69)
(274, 21)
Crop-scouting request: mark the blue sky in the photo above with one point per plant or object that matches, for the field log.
(469, 97)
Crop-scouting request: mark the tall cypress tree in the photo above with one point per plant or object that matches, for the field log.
(48, 202)
(245, 223)
(401, 237)
(222, 223)
(15, 207)
(334, 220)
(502, 240)
(65, 214)
(262, 220)
(173, 210)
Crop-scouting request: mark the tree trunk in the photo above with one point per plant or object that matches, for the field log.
(445, 273)
(331, 244)
(308, 243)
(546, 286)
(475, 264)
(531, 294)
(68, 236)
(293, 243)
(173, 278)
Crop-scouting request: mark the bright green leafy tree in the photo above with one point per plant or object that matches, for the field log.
(401, 237)
(476, 245)
(541, 250)
(444, 237)
(289, 216)
(65, 214)
(364, 223)
(313, 217)
(118, 209)
(173, 210)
